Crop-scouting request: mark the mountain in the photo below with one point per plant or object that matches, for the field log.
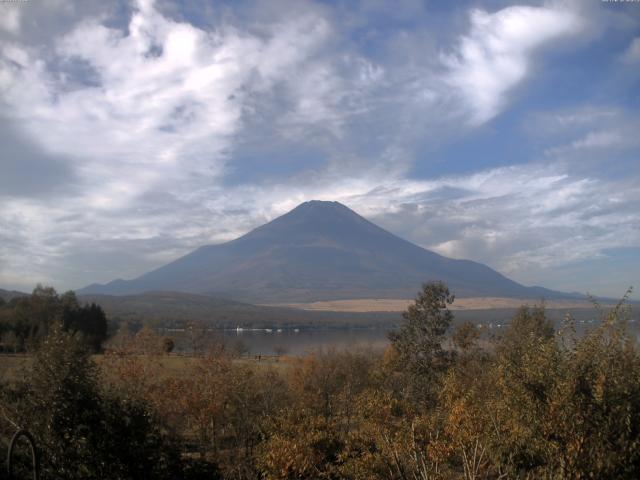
(7, 295)
(318, 251)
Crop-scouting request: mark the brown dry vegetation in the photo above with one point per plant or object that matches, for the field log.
(399, 304)
(536, 404)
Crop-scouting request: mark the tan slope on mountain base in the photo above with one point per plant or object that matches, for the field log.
(399, 305)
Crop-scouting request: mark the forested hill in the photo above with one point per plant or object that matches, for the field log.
(175, 308)
(7, 295)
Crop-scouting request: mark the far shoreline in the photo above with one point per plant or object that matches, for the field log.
(368, 305)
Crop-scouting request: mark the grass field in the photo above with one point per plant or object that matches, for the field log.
(12, 365)
(399, 304)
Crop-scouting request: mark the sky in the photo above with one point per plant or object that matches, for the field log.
(506, 133)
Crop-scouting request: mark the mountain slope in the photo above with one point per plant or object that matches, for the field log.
(7, 295)
(318, 251)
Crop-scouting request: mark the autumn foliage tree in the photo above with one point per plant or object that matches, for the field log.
(531, 402)
(83, 431)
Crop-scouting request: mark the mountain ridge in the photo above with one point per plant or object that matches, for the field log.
(8, 295)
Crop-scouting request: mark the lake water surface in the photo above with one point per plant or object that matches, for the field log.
(287, 341)
(299, 341)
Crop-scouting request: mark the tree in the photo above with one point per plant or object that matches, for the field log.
(29, 318)
(83, 431)
(528, 323)
(318, 435)
(167, 345)
(10, 342)
(32, 316)
(566, 406)
(88, 321)
(465, 337)
(419, 340)
(200, 335)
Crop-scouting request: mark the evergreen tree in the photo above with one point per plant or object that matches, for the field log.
(419, 340)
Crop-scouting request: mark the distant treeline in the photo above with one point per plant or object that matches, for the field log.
(533, 402)
(26, 320)
(176, 310)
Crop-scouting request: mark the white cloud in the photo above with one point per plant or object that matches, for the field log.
(632, 53)
(583, 116)
(150, 119)
(516, 218)
(495, 55)
(598, 140)
(152, 114)
(10, 18)
(587, 134)
(169, 98)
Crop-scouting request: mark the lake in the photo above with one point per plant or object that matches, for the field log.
(299, 341)
(285, 341)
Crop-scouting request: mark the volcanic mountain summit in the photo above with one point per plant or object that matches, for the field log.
(318, 251)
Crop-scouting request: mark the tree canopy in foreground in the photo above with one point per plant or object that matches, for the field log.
(530, 403)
